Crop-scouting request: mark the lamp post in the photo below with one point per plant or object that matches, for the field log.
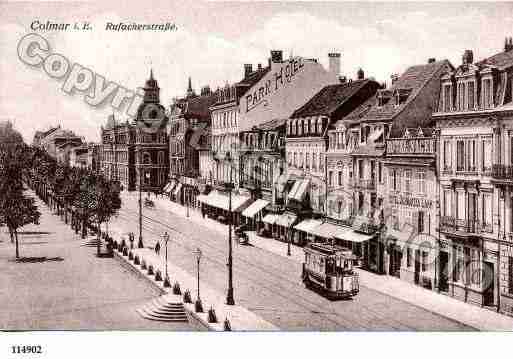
(165, 236)
(290, 239)
(187, 201)
(229, 295)
(197, 253)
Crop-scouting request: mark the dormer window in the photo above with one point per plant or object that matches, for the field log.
(470, 95)
(447, 98)
(383, 97)
(487, 93)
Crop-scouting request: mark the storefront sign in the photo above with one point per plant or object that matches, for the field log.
(278, 80)
(411, 201)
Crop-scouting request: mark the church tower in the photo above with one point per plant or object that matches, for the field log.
(151, 90)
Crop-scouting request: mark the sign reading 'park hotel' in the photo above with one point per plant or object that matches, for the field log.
(288, 85)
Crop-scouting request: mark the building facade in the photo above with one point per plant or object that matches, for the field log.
(411, 207)
(136, 153)
(475, 121)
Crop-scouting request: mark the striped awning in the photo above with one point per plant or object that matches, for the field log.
(222, 201)
(307, 225)
(254, 208)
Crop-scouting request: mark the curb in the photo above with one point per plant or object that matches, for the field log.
(201, 318)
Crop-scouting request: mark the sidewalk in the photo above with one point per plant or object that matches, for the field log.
(474, 316)
(240, 318)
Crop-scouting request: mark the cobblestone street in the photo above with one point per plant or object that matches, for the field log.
(63, 285)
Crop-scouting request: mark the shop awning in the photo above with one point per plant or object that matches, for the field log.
(286, 219)
(218, 200)
(177, 189)
(353, 236)
(169, 187)
(329, 230)
(307, 225)
(254, 208)
(299, 190)
(270, 218)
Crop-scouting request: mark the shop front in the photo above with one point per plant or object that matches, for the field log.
(254, 214)
(216, 205)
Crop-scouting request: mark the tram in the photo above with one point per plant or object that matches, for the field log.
(328, 269)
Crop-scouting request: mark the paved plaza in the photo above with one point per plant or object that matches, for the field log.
(62, 285)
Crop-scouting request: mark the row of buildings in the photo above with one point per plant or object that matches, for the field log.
(68, 148)
(416, 177)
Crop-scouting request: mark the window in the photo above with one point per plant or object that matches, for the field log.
(470, 96)
(486, 217)
(330, 178)
(321, 161)
(447, 203)
(340, 178)
(447, 155)
(307, 160)
(475, 268)
(380, 172)
(314, 161)
(146, 158)
(408, 257)
(421, 182)
(487, 93)
(447, 98)
(360, 169)
(487, 155)
(295, 159)
(471, 155)
(393, 179)
(407, 181)
(420, 222)
(461, 96)
(460, 155)
(460, 205)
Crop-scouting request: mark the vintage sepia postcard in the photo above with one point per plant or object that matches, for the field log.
(182, 167)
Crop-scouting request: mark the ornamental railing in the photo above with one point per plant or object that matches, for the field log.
(452, 224)
(502, 172)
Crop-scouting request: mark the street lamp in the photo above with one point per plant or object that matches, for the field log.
(229, 295)
(290, 238)
(165, 236)
(197, 253)
(187, 201)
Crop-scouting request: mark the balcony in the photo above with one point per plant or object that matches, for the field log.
(363, 184)
(463, 227)
(502, 172)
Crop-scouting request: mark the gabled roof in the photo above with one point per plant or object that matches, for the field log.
(502, 60)
(329, 99)
(199, 107)
(358, 113)
(271, 125)
(411, 82)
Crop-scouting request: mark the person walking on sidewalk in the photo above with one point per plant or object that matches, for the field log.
(157, 248)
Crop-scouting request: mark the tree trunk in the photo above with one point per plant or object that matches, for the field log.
(99, 239)
(12, 235)
(17, 246)
(66, 214)
(84, 229)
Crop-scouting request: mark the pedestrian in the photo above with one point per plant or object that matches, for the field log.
(157, 248)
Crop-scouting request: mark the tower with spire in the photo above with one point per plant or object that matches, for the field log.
(151, 90)
(190, 91)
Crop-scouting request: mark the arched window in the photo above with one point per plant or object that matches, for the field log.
(319, 125)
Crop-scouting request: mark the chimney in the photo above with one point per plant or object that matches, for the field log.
(468, 57)
(394, 78)
(508, 44)
(431, 60)
(334, 63)
(248, 69)
(360, 75)
(276, 56)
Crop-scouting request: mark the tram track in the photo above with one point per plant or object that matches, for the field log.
(276, 288)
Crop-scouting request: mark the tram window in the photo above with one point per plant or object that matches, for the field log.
(345, 264)
(330, 268)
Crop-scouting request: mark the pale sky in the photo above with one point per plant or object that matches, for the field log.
(214, 40)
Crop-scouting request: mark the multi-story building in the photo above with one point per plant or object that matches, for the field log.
(57, 142)
(189, 117)
(475, 120)
(78, 156)
(307, 142)
(136, 154)
(411, 212)
(407, 103)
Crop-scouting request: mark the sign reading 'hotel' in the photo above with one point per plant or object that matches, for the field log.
(279, 79)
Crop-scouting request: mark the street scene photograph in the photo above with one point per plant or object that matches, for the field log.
(255, 167)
